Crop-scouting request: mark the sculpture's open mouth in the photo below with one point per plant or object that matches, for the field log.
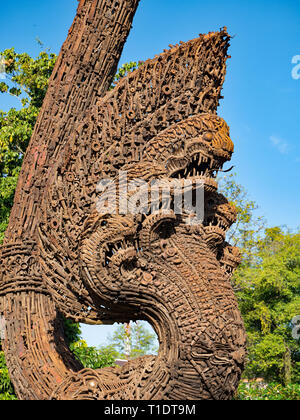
(120, 250)
(215, 229)
(219, 216)
(200, 166)
(217, 222)
(231, 259)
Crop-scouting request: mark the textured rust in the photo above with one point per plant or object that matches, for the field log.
(62, 256)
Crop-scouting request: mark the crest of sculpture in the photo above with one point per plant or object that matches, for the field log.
(64, 256)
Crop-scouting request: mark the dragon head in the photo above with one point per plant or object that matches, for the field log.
(195, 149)
(158, 124)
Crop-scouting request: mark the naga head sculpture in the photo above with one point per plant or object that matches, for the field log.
(158, 124)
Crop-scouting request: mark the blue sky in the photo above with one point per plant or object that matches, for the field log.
(262, 99)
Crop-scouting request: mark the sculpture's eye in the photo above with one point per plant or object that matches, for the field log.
(208, 136)
(103, 223)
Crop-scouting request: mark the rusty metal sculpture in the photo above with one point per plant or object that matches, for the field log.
(62, 256)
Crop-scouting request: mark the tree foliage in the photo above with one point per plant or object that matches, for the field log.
(93, 357)
(6, 388)
(133, 341)
(269, 300)
(269, 392)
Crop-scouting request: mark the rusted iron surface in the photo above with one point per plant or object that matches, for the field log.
(63, 256)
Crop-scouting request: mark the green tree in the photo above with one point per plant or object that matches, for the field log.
(269, 299)
(92, 357)
(270, 392)
(6, 388)
(134, 340)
